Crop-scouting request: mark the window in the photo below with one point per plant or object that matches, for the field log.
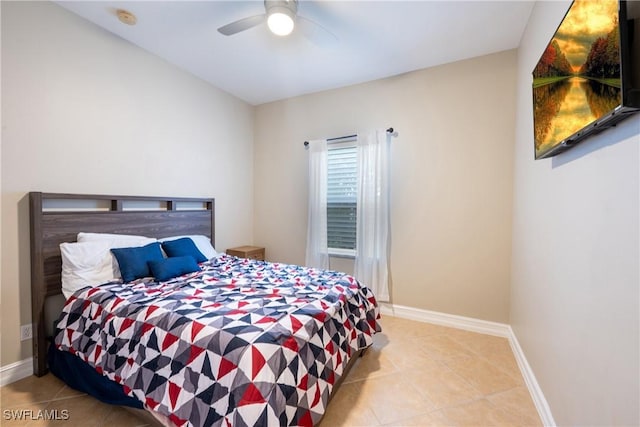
(341, 198)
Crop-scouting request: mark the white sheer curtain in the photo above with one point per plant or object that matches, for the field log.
(372, 248)
(317, 254)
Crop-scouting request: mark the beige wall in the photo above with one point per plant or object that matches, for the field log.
(451, 178)
(576, 258)
(87, 112)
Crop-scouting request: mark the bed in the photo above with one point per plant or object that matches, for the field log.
(239, 342)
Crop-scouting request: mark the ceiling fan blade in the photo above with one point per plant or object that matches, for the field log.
(316, 32)
(242, 24)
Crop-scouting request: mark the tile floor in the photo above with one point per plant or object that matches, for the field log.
(419, 374)
(415, 374)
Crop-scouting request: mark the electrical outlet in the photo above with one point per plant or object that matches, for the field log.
(26, 332)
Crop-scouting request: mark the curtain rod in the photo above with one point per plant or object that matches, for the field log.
(306, 143)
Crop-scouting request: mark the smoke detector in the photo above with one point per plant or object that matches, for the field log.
(126, 17)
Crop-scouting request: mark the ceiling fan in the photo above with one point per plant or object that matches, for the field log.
(281, 17)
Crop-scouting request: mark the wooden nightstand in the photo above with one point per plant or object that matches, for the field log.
(251, 252)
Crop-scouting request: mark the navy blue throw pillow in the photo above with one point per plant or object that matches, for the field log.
(133, 261)
(183, 247)
(169, 268)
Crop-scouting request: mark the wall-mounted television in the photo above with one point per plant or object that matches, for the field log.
(588, 78)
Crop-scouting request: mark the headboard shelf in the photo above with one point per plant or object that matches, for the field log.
(51, 226)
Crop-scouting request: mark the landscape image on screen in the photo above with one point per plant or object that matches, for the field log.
(577, 79)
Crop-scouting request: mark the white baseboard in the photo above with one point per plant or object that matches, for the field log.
(483, 327)
(532, 383)
(451, 320)
(16, 371)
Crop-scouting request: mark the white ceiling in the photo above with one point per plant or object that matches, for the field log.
(377, 39)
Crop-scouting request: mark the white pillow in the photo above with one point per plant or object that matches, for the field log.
(85, 264)
(203, 243)
(92, 237)
(91, 263)
(116, 241)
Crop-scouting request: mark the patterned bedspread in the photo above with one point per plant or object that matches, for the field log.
(242, 343)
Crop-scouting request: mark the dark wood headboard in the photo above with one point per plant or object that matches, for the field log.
(51, 225)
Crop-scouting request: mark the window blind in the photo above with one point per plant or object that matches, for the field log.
(341, 197)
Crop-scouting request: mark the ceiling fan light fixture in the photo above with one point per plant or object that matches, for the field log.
(280, 21)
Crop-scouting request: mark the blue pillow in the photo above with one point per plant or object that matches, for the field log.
(183, 247)
(133, 261)
(168, 268)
